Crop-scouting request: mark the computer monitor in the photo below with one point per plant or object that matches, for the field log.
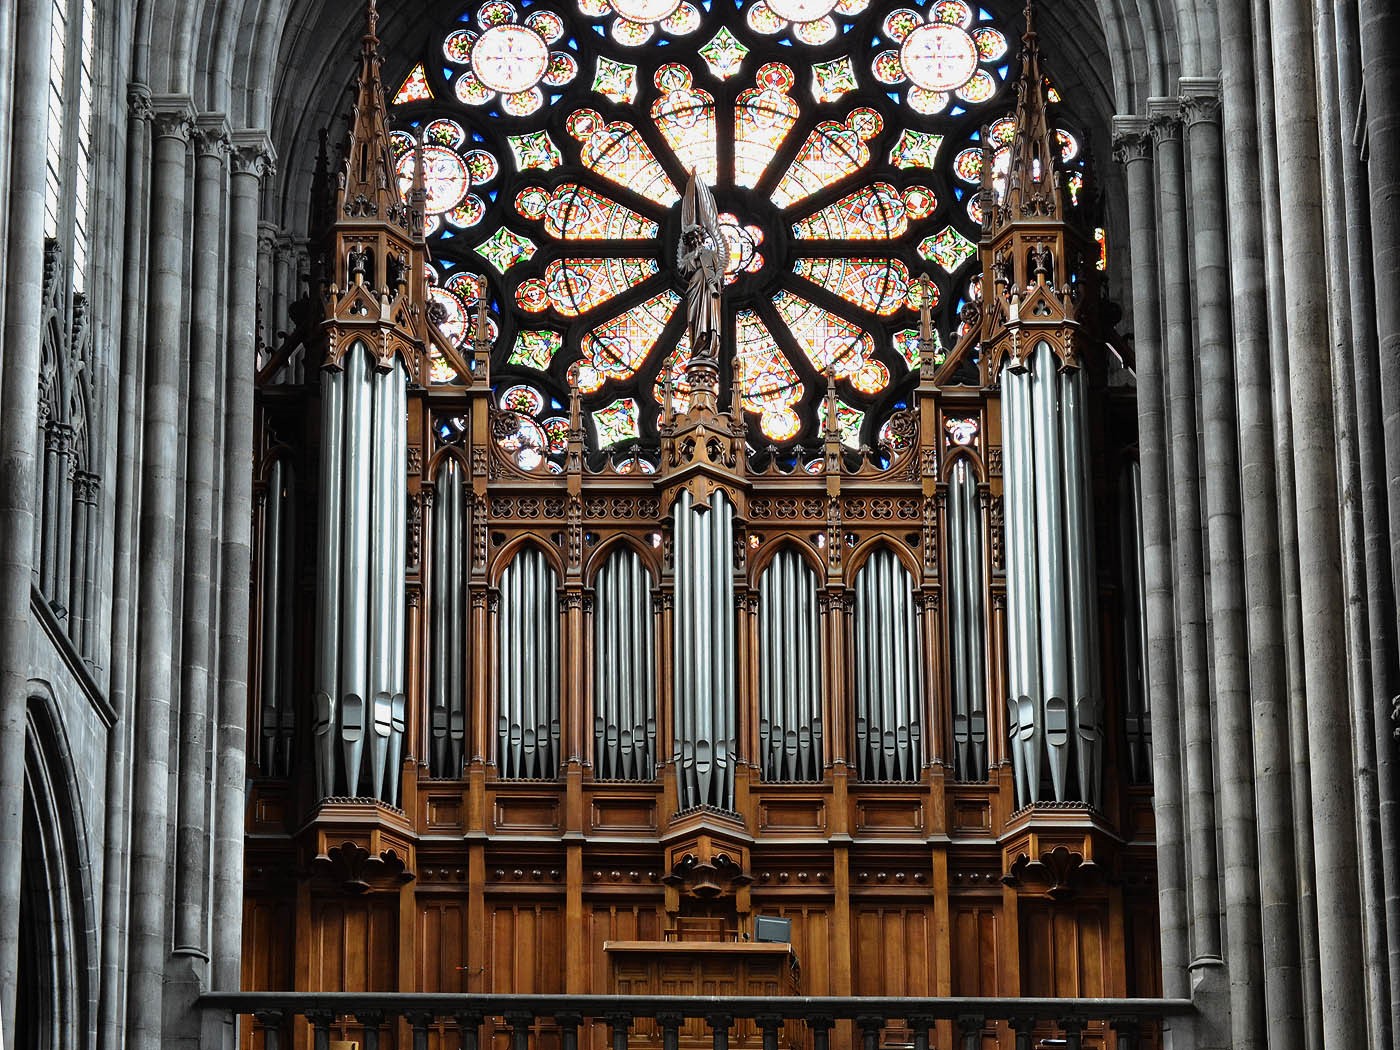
(771, 929)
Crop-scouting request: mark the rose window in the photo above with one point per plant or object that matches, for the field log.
(841, 140)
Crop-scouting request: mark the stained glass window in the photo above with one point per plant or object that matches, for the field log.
(843, 142)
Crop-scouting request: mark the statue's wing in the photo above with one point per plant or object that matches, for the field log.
(709, 222)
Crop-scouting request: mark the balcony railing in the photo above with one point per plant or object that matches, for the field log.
(519, 1022)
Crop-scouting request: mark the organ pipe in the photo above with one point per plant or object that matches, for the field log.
(888, 694)
(704, 683)
(1055, 704)
(360, 589)
(527, 646)
(448, 606)
(1138, 700)
(624, 681)
(790, 680)
(278, 582)
(966, 610)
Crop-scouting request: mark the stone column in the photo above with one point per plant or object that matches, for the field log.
(128, 482)
(252, 160)
(1268, 677)
(1165, 115)
(191, 876)
(1225, 547)
(1379, 461)
(1380, 57)
(1134, 149)
(19, 393)
(160, 496)
(1319, 557)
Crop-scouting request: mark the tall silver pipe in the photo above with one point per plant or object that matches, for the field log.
(1083, 671)
(439, 606)
(286, 619)
(459, 567)
(913, 663)
(355, 615)
(861, 660)
(957, 638)
(271, 631)
(1134, 624)
(381, 571)
(328, 579)
(683, 650)
(1049, 509)
(725, 616)
(702, 692)
(398, 482)
(1010, 447)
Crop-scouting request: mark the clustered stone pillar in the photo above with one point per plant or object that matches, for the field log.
(19, 382)
(1134, 145)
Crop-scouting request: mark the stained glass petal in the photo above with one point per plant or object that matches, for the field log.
(848, 421)
(685, 117)
(575, 213)
(766, 377)
(830, 342)
(875, 212)
(618, 152)
(617, 348)
(878, 285)
(763, 116)
(576, 286)
(832, 152)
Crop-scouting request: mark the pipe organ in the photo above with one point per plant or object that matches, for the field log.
(527, 668)
(523, 696)
(624, 669)
(790, 675)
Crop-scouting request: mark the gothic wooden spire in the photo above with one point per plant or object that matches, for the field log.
(1031, 187)
(369, 187)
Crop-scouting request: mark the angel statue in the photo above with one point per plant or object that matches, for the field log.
(702, 258)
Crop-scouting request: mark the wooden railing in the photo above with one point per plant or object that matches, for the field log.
(376, 1020)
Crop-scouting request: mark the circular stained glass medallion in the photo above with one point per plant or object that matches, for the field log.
(444, 176)
(802, 10)
(938, 57)
(510, 58)
(645, 10)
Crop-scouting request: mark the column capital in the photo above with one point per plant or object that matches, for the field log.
(138, 102)
(1132, 138)
(211, 135)
(1200, 100)
(252, 153)
(172, 117)
(1164, 118)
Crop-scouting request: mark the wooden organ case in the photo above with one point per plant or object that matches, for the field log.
(393, 844)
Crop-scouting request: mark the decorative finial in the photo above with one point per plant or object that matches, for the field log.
(925, 308)
(1030, 18)
(372, 23)
(483, 333)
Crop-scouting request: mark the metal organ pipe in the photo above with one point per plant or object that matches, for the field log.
(1051, 582)
(624, 684)
(333, 385)
(355, 614)
(968, 645)
(381, 591)
(271, 613)
(459, 564)
(528, 686)
(439, 603)
(887, 679)
(398, 565)
(704, 683)
(1138, 717)
(1083, 664)
(790, 725)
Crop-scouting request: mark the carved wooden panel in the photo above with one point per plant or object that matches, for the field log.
(354, 944)
(892, 951)
(527, 948)
(1064, 949)
(268, 930)
(812, 941)
(443, 937)
(974, 956)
